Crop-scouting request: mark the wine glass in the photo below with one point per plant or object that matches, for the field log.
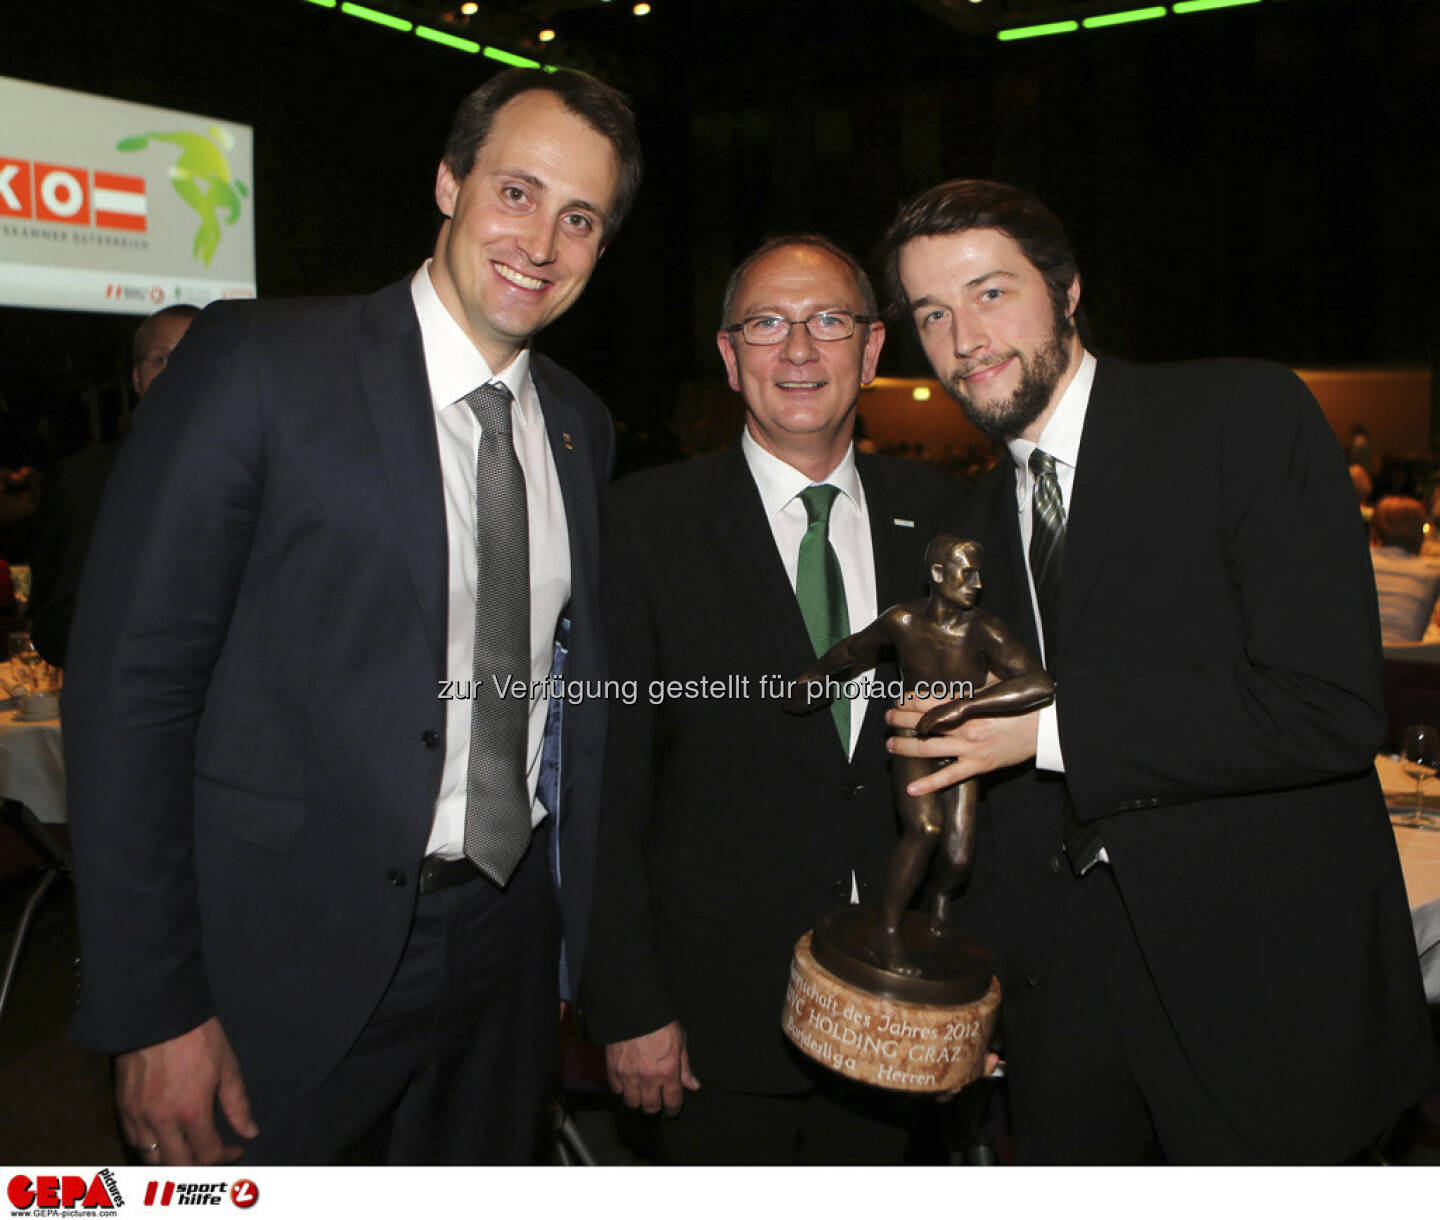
(1419, 759)
(25, 660)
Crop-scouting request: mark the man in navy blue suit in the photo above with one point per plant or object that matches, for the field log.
(299, 936)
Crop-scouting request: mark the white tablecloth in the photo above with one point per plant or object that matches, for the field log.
(32, 766)
(1420, 862)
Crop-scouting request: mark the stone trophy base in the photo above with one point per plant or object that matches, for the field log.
(910, 1033)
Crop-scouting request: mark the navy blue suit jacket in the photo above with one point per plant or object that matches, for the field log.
(253, 733)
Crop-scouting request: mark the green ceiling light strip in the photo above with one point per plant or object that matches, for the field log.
(1037, 31)
(432, 35)
(446, 40)
(1135, 14)
(379, 18)
(505, 57)
(1204, 6)
(1100, 21)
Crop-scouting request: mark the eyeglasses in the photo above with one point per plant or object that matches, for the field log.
(766, 330)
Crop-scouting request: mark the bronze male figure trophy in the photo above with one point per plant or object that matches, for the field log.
(946, 646)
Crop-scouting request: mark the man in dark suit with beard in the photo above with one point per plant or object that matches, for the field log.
(1185, 861)
(728, 825)
(317, 895)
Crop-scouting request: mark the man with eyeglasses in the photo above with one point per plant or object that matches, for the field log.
(728, 825)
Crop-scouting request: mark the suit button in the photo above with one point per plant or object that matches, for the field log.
(850, 789)
(1055, 862)
(397, 878)
(841, 890)
(1031, 982)
(431, 739)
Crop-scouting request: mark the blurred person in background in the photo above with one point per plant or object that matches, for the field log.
(71, 502)
(1407, 582)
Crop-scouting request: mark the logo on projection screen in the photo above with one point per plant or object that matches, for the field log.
(65, 194)
(201, 177)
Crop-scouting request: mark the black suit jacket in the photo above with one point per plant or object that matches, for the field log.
(728, 826)
(253, 735)
(1218, 692)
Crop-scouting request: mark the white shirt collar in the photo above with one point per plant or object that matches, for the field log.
(453, 365)
(1061, 437)
(779, 482)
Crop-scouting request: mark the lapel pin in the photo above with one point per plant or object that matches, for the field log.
(569, 444)
(900, 521)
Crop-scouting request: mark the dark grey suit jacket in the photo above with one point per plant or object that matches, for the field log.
(728, 826)
(253, 734)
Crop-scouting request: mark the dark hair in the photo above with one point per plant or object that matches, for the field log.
(974, 203)
(862, 281)
(142, 332)
(603, 108)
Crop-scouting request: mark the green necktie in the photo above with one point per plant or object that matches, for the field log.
(820, 590)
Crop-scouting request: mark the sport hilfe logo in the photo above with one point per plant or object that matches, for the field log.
(242, 1192)
(70, 195)
(48, 1192)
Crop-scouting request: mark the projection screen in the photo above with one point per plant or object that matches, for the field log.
(112, 207)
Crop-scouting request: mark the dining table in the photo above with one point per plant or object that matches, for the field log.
(32, 764)
(32, 789)
(1419, 849)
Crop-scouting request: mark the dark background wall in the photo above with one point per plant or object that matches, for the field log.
(1264, 181)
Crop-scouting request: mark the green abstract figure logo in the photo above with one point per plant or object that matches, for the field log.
(201, 176)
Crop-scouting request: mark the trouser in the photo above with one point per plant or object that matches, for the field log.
(456, 1064)
(835, 1123)
(1096, 1073)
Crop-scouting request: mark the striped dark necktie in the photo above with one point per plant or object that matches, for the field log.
(1083, 842)
(1047, 544)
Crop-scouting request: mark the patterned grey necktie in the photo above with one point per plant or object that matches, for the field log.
(497, 802)
(1047, 544)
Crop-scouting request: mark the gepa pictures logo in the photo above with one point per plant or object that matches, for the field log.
(69, 1194)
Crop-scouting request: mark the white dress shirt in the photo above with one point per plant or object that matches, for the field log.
(780, 485)
(454, 367)
(1061, 440)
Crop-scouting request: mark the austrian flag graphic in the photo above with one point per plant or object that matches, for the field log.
(119, 201)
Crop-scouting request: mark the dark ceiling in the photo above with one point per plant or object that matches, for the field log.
(1258, 181)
